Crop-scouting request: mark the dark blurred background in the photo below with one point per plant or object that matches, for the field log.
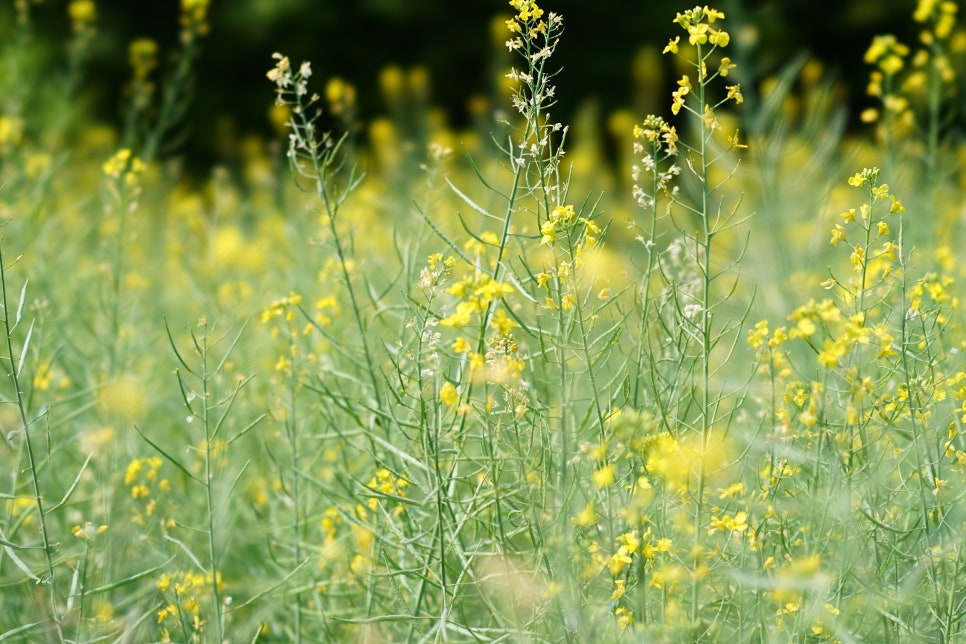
(461, 46)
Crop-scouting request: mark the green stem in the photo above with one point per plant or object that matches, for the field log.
(292, 431)
(172, 95)
(704, 265)
(320, 166)
(50, 580)
(209, 493)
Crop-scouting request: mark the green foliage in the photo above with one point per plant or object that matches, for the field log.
(368, 388)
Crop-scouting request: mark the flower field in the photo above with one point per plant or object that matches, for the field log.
(694, 375)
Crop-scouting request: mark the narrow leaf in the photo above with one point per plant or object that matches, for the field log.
(23, 300)
(174, 348)
(163, 453)
(469, 202)
(23, 351)
(128, 580)
(73, 486)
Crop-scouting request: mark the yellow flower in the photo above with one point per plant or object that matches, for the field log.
(829, 357)
(728, 523)
(586, 517)
(838, 234)
(619, 589)
(502, 322)
(719, 38)
(461, 317)
(548, 232)
(734, 92)
(143, 56)
(757, 336)
(476, 362)
(82, 13)
(625, 618)
(672, 45)
(678, 96)
(604, 477)
(448, 394)
(698, 34)
(114, 166)
(713, 14)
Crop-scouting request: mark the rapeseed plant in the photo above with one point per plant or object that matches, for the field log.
(489, 400)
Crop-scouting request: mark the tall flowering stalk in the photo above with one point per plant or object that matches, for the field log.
(315, 157)
(705, 220)
(123, 172)
(149, 126)
(913, 88)
(535, 153)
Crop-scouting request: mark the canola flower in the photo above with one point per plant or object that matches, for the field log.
(531, 423)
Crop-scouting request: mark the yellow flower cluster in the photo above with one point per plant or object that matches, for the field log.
(88, 531)
(434, 276)
(142, 468)
(124, 164)
(288, 82)
(281, 73)
(772, 359)
(11, 131)
(83, 15)
(283, 308)
(188, 591)
(580, 233)
(194, 13)
(385, 483)
(887, 53)
(282, 314)
(935, 287)
(143, 57)
(728, 523)
(528, 19)
(874, 265)
(843, 334)
(697, 22)
(678, 95)
(48, 375)
(560, 217)
(891, 57)
(476, 291)
(142, 477)
(671, 461)
(340, 96)
(656, 131)
(941, 13)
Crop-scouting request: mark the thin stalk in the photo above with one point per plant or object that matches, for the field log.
(116, 288)
(292, 432)
(917, 429)
(649, 246)
(171, 96)
(50, 581)
(320, 167)
(704, 265)
(209, 496)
